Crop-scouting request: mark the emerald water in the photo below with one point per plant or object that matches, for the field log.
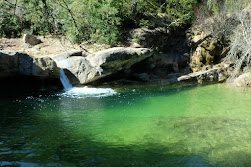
(145, 126)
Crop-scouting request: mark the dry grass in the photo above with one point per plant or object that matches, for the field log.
(50, 45)
(240, 46)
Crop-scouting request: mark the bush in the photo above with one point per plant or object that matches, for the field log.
(100, 21)
(230, 22)
(240, 46)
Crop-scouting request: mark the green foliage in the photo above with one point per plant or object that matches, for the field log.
(9, 24)
(136, 39)
(144, 23)
(100, 21)
(104, 20)
(180, 8)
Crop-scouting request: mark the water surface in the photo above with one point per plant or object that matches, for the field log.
(148, 126)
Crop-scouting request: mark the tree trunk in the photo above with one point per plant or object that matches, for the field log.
(134, 7)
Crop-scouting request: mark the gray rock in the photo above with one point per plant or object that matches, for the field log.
(8, 63)
(31, 40)
(144, 77)
(243, 80)
(218, 73)
(80, 69)
(44, 67)
(143, 37)
(15, 63)
(119, 58)
(25, 63)
(62, 56)
(102, 64)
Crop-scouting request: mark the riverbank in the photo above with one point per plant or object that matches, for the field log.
(102, 65)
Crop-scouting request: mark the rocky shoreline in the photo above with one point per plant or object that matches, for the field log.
(129, 65)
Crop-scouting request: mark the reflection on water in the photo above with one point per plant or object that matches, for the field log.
(172, 126)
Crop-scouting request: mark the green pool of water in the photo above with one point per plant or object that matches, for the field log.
(150, 126)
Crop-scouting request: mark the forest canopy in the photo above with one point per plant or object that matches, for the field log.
(102, 21)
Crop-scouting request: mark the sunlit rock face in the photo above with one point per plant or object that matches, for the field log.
(206, 49)
(78, 68)
(85, 69)
(243, 80)
(218, 73)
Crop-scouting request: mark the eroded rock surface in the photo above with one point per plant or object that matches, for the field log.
(102, 64)
(206, 50)
(31, 40)
(79, 69)
(218, 73)
(15, 63)
(243, 80)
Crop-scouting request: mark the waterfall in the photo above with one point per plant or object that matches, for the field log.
(82, 92)
(64, 80)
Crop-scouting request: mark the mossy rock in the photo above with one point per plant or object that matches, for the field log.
(209, 58)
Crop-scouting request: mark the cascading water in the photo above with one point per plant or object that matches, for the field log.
(64, 80)
(82, 92)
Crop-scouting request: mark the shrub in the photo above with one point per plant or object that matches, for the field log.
(100, 21)
(240, 46)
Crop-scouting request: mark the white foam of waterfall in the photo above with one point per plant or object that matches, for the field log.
(82, 92)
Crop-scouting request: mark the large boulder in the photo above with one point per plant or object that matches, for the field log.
(15, 63)
(102, 64)
(78, 70)
(64, 55)
(118, 58)
(31, 40)
(8, 63)
(243, 80)
(216, 73)
(45, 67)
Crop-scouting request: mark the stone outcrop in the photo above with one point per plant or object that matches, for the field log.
(170, 63)
(143, 37)
(206, 50)
(64, 55)
(79, 69)
(82, 70)
(243, 80)
(31, 40)
(15, 63)
(119, 58)
(217, 73)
